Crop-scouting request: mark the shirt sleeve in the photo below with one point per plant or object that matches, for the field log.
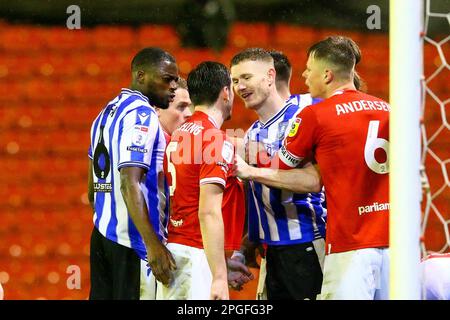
(300, 140)
(138, 133)
(218, 156)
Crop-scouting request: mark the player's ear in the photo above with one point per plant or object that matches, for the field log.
(140, 76)
(328, 76)
(271, 74)
(226, 94)
(158, 111)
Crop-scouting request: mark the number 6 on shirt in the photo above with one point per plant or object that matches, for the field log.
(372, 144)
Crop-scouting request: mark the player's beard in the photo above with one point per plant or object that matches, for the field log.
(160, 102)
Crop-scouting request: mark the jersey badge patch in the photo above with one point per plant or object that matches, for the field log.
(294, 127)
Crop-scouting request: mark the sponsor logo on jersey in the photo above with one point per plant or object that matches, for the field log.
(288, 158)
(102, 187)
(375, 207)
(140, 135)
(137, 149)
(176, 223)
(294, 127)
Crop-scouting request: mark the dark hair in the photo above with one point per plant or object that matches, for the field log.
(254, 54)
(182, 83)
(340, 51)
(282, 66)
(150, 57)
(206, 81)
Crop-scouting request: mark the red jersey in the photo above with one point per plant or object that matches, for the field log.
(348, 136)
(201, 154)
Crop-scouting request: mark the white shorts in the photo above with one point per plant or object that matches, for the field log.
(356, 275)
(436, 277)
(191, 280)
(148, 283)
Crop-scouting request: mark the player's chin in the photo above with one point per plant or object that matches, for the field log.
(164, 103)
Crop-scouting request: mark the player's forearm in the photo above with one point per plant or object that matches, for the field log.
(211, 225)
(137, 209)
(302, 180)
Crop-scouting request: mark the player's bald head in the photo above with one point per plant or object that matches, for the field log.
(149, 58)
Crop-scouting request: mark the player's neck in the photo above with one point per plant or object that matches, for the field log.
(270, 107)
(284, 93)
(212, 112)
(339, 87)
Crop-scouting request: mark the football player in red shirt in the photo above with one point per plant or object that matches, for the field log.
(200, 157)
(347, 134)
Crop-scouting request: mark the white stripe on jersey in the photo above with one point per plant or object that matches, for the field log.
(291, 213)
(273, 229)
(212, 180)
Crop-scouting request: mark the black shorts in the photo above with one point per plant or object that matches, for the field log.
(115, 270)
(293, 272)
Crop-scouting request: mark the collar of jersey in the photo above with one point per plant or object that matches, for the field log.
(274, 118)
(337, 92)
(207, 116)
(129, 91)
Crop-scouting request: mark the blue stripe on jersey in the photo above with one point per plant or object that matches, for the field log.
(316, 100)
(253, 227)
(260, 204)
(280, 214)
(276, 117)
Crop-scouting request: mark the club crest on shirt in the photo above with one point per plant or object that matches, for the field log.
(294, 127)
(140, 135)
(282, 130)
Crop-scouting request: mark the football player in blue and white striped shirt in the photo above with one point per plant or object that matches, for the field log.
(126, 171)
(287, 223)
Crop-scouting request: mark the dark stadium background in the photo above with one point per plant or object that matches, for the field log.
(54, 81)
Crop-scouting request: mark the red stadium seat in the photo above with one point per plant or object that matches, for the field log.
(292, 36)
(23, 38)
(244, 35)
(164, 36)
(114, 38)
(187, 59)
(61, 38)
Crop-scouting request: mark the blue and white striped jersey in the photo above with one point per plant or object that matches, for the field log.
(280, 217)
(127, 133)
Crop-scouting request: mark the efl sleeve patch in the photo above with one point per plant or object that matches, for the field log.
(294, 127)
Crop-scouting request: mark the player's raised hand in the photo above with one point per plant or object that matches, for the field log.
(219, 290)
(162, 263)
(241, 169)
(256, 154)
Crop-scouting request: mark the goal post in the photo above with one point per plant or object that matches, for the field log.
(405, 72)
